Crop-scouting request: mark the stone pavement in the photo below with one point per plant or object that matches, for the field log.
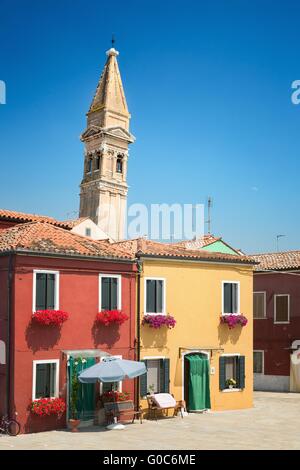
(273, 423)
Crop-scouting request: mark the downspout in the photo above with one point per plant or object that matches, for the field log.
(138, 328)
(9, 333)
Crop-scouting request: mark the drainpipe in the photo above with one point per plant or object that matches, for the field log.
(138, 328)
(9, 333)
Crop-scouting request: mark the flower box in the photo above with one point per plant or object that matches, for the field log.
(158, 321)
(50, 317)
(48, 406)
(108, 317)
(233, 320)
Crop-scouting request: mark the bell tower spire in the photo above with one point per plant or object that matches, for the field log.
(104, 188)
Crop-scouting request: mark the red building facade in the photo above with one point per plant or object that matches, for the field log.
(276, 321)
(38, 356)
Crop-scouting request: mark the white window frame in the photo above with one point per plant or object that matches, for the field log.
(239, 297)
(281, 322)
(119, 289)
(45, 361)
(263, 361)
(265, 305)
(229, 390)
(56, 289)
(164, 295)
(119, 383)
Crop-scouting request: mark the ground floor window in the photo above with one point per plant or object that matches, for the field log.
(157, 378)
(111, 386)
(258, 362)
(232, 372)
(45, 379)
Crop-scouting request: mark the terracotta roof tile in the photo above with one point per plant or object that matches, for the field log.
(24, 217)
(142, 246)
(277, 261)
(46, 238)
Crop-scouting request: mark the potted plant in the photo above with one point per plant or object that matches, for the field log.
(118, 400)
(109, 317)
(50, 317)
(158, 321)
(48, 406)
(233, 320)
(74, 421)
(231, 383)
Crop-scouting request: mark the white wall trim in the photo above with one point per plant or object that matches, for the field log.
(56, 287)
(265, 305)
(45, 361)
(281, 322)
(239, 296)
(164, 295)
(119, 289)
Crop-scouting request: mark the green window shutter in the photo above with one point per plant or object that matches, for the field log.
(241, 372)
(143, 383)
(166, 369)
(50, 291)
(113, 293)
(222, 374)
(150, 296)
(159, 296)
(105, 293)
(164, 376)
(40, 289)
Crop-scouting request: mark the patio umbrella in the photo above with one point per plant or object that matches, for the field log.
(112, 369)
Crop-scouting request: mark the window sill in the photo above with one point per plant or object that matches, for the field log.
(281, 322)
(148, 313)
(260, 318)
(228, 314)
(229, 390)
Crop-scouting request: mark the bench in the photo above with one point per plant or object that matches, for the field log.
(123, 411)
(163, 401)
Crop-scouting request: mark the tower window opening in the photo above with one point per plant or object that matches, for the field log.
(119, 165)
(90, 165)
(98, 162)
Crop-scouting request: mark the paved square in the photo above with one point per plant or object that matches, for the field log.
(273, 423)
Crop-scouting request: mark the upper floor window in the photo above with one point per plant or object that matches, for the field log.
(281, 308)
(119, 165)
(231, 297)
(110, 292)
(45, 379)
(259, 305)
(88, 232)
(155, 296)
(45, 290)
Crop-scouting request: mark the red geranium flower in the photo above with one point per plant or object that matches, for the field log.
(48, 406)
(111, 316)
(50, 317)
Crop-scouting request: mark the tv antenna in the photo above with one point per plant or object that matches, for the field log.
(277, 241)
(209, 206)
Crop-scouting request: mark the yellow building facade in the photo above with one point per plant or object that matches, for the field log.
(197, 292)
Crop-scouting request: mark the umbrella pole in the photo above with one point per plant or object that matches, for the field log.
(115, 426)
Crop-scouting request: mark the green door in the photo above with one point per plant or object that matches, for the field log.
(85, 404)
(198, 382)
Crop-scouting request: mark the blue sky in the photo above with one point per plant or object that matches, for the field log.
(208, 85)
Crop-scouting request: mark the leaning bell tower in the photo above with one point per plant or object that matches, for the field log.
(103, 190)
